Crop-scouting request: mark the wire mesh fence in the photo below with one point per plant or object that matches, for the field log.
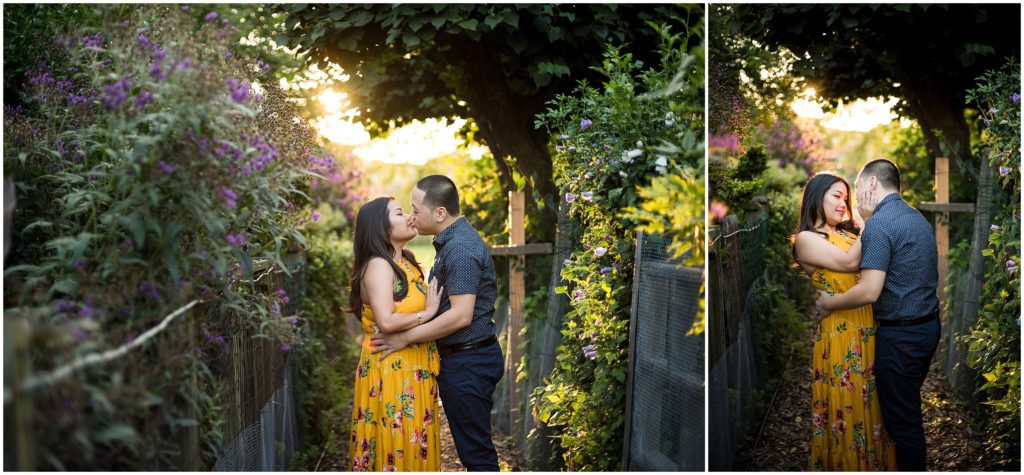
(665, 395)
(736, 277)
(259, 394)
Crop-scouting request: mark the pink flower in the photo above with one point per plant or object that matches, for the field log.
(718, 210)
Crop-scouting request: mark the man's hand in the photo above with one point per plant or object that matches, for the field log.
(820, 305)
(388, 343)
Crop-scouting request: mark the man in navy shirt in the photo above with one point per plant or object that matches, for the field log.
(471, 358)
(899, 277)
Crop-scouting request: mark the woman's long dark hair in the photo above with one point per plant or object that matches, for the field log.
(812, 211)
(373, 239)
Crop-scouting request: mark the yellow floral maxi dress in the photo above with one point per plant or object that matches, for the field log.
(848, 434)
(394, 418)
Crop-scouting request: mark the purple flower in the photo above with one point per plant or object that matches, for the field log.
(165, 167)
(116, 94)
(600, 251)
(237, 240)
(316, 216)
(606, 270)
(293, 320)
(994, 228)
(144, 98)
(149, 290)
(184, 8)
(211, 338)
(285, 347)
(145, 42)
(94, 41)
(240, 93)
(211, 16)
(566, 262)
(63, 306)
(1011, 265)
(262, 66)
(184, 64)
(156, 71)
(578, 293)
(76, 99)
(569, 197)
(585, 124)
(1003, 171)
(587, 195)
(1016, 100)
(42, 80)
(229, 197)
(80, 264)
(224, 22)
(590, 352)
(227, 55)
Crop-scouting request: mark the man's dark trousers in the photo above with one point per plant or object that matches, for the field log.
(903, 353)
(466, 383)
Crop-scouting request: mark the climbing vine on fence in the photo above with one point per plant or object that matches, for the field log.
(993, 343)
(610, 141)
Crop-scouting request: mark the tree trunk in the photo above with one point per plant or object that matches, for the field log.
(937, 106)
(505, 119)
(538, 449)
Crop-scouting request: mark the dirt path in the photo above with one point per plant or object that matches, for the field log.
(510, 457)
(783, 446)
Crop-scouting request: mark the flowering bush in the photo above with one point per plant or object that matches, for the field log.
(152, 166)
(610, 142)
(993, 344)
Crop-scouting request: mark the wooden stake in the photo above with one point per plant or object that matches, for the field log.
(516, 294)
(942, 221)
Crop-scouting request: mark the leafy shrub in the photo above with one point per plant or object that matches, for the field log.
(152, 165)
(993, 344)
(613, 141)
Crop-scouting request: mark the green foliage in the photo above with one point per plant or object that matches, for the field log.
(993, 343)
(613, 142)
(328, 356)
(24, 25)
(410, 54)
(147, 175)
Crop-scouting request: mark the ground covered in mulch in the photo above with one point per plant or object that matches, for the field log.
(510, 457)
(951, 435)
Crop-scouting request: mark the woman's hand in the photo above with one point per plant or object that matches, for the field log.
(433, 299)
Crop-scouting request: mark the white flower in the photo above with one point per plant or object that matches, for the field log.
(661, 161)
(628, 157)
(600, 251)
(639, 143)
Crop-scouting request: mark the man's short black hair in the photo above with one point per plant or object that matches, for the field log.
(887, 172)
(440, 191)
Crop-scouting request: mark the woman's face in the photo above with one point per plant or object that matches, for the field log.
(403, 228)
(834, 204)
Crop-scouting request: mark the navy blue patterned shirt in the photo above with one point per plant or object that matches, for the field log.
(463, 265)
(899, 240)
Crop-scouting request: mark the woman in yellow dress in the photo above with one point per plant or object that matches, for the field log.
(394, 418)
(847, 430)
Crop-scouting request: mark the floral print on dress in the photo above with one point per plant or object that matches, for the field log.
(846, 423)
(396, 402)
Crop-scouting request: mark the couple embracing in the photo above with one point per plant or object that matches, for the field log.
(422, 340)
(879, 324)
